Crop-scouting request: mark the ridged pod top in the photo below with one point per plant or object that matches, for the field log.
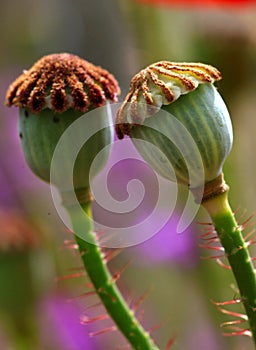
(160, 84)
(62, 81)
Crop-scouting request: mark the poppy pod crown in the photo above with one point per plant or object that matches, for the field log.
(62, 81)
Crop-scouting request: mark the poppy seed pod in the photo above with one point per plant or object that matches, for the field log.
(176, 108)
(51, 95)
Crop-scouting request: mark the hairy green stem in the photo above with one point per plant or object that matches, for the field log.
(236, 250)
(105, 285)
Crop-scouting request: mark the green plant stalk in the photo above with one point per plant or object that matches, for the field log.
(236, 251)
(105, 285)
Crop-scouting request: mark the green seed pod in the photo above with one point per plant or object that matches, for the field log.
(51, 95)
(176, 108)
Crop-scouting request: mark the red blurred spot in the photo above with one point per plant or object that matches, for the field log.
(202, 4)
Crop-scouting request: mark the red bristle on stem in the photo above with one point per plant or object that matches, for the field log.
(70, 276)
(170, 342)
(204, 246)
(93, 306)
(250, 242)
(118, 274)
(224, 303)
(103, 331)
(141, 299)
(231, 323)
(100, 233)
(86, 320)
(204, 223)
(70, 244)
(244, 223)
(238, 332)
(158, 326)
(140, 315)
(207, 231)
(104, 240)
(220, 263)
(235, 212)
(211, 240)
(234, 314)
(249, 234)
(84, 295)
(241, 216)
(111, 254)
(130, 298)
(212, 257)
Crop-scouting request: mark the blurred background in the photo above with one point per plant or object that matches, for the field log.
(38, 305)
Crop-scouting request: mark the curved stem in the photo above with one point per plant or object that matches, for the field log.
(105, 285)
(237, 253)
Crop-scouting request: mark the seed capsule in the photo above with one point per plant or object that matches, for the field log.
(51, 95)
(176, 108)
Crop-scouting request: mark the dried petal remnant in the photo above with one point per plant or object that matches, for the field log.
(62, 81)
(160, 84)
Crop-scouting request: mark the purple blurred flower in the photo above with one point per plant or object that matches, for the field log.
(202, 334)
(61, 327)
(169, 246)
(125, 165)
